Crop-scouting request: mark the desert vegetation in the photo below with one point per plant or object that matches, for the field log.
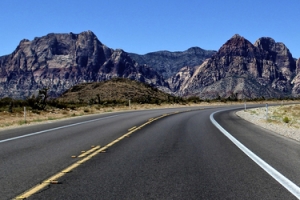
(283, 120)
(114, 95)
(284, 114)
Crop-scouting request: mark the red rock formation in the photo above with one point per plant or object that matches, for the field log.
(264, 69)
(59, 61)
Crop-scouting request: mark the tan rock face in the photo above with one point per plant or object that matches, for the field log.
(60, 61)
(265, 69)
(181, 78)
(296, 81)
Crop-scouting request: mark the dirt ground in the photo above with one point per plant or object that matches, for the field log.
(17, 118)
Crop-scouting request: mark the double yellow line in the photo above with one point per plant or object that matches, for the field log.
(89, 154)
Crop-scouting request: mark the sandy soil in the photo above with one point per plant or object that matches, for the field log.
(274, 121)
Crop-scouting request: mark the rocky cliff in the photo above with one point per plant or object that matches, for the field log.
(240, 68)
(296, 80)
(59, 61)
(169, 63)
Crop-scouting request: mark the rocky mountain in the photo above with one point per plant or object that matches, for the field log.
(240, 68)
(169, 63)
(59, 61)
(181, 78)
(296, 80)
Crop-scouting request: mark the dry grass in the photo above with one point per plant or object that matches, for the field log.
(32, 117)
(283, 120)
(17, 117)
(289, 114)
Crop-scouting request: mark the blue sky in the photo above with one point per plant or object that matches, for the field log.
(148, 25)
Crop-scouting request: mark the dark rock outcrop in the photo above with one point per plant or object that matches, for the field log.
(265, 69)
(169, 63)
(59, 61)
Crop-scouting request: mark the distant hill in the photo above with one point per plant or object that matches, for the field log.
(117, 89)
(168, 63)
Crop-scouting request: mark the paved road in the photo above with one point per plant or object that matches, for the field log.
(180, 156)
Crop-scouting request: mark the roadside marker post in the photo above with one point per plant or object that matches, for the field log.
(25, 115)
(266, 111)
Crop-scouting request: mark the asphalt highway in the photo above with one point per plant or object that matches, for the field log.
(153, 154)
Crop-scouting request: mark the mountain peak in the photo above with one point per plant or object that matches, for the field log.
(236, 46)
(88, 33)
(265, 43)
(237, 36)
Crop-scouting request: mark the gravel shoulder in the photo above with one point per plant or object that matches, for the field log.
(283, 120)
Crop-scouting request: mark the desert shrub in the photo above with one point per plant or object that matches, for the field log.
(57, 104)
(5, 101)
(36, 112)
(286, 119)
(157, 101)
(194, 99)
(65, 112)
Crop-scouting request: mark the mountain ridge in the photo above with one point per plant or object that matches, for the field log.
(265, 64)
(60, 61)
(63, 60)
(167, 63)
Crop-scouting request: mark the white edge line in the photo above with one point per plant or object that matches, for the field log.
(285, 182)
(54, 129)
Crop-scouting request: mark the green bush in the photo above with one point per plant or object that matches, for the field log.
(286, 120)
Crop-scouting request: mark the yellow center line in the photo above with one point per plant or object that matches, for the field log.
(150, 119)
(89, 154)
(132, 128)
(89, 151)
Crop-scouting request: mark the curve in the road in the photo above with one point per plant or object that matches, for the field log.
(285, 182)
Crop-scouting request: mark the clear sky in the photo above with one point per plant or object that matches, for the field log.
(143, 26)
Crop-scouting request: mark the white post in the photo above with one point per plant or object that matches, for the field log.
(129, 103)
(245, 106)
(25, 115)
(266, 111)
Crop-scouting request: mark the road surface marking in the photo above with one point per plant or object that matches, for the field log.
(285, 182)
(132, 128)
(54, 129)
(88, 152)
(55, 177)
